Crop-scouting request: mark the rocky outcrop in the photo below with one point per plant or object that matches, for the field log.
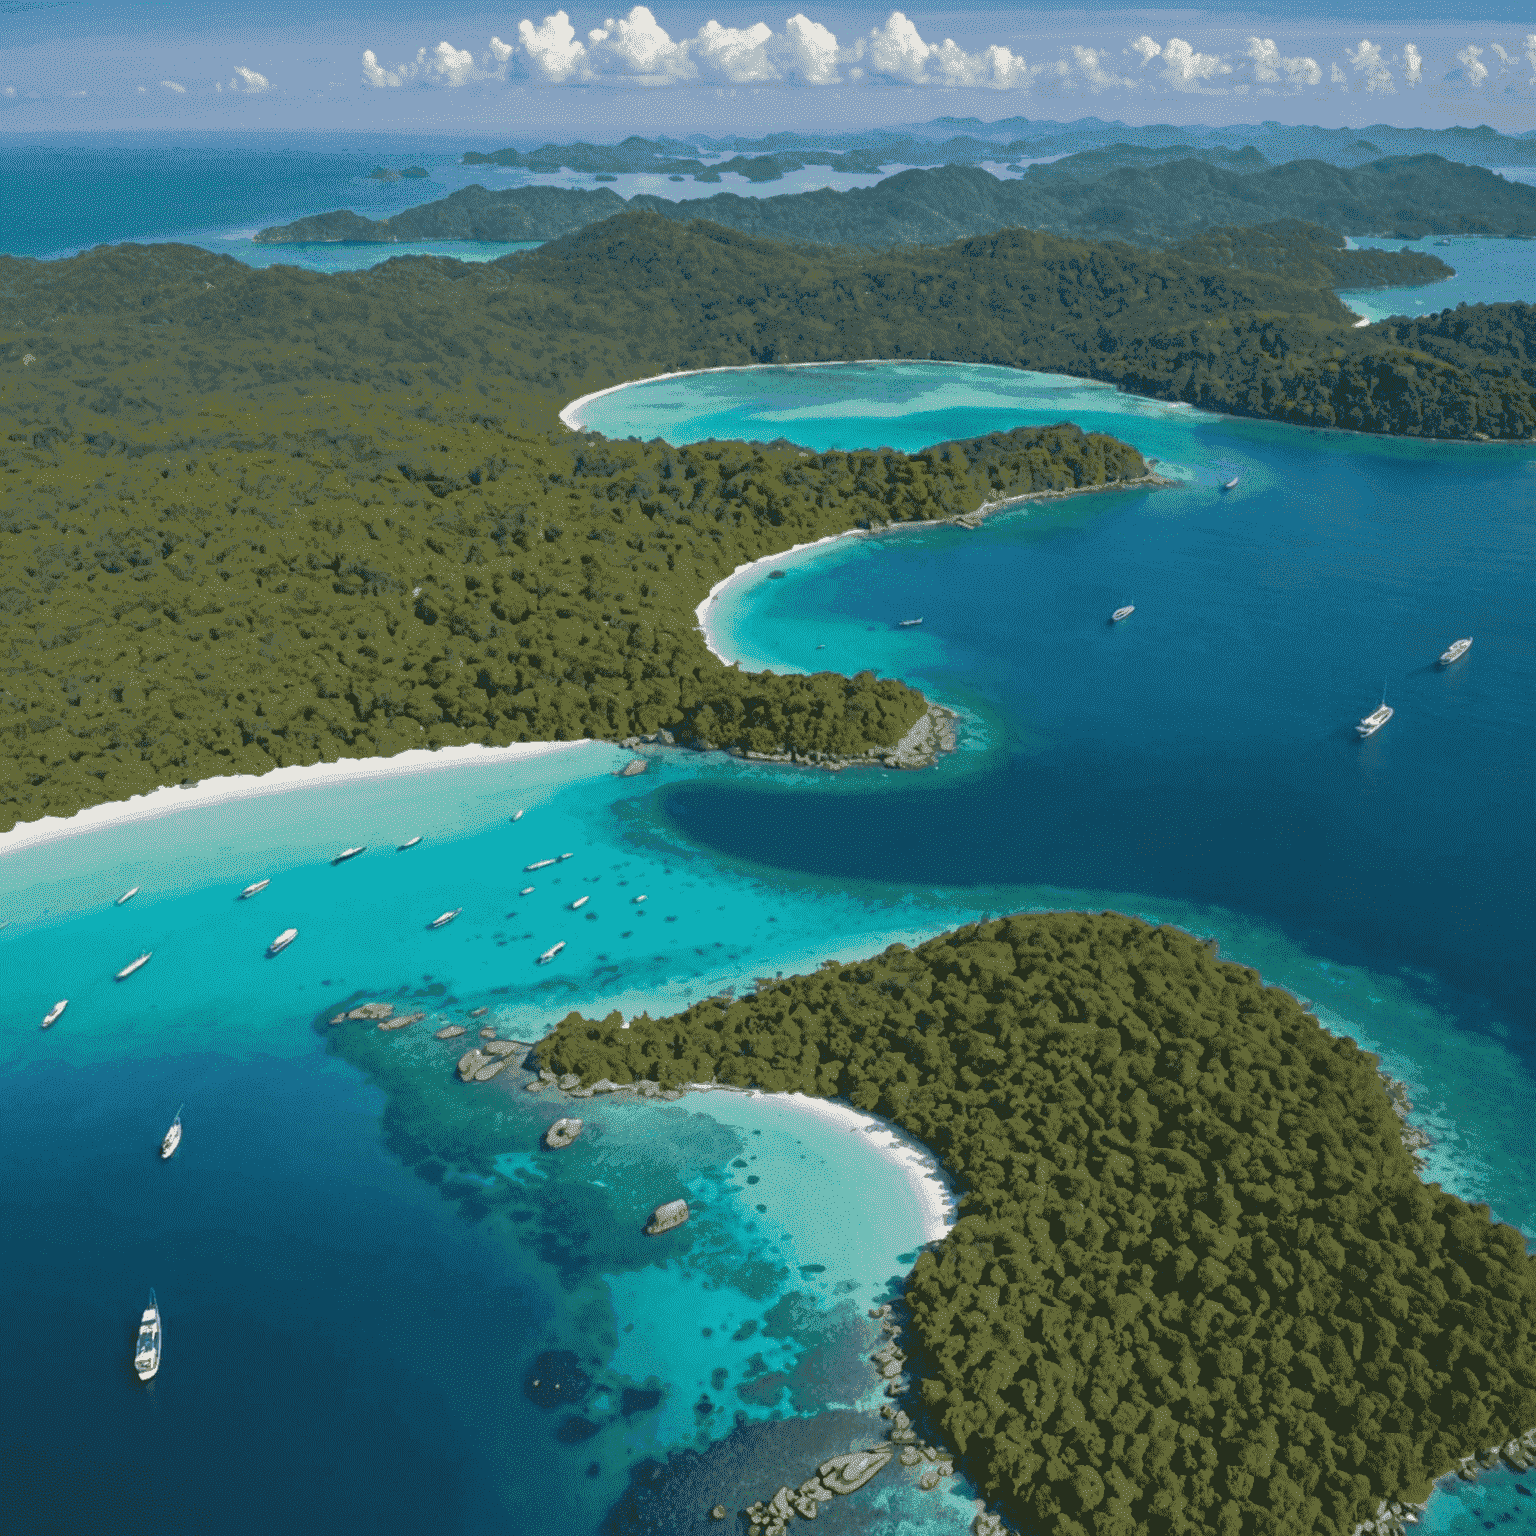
(1394, 1516)
(562, 1133)
(399, 1021)
(369, 1011)
(471, 1062)
(632, 767)
(502, 1047)
(847, 1474)
(451, 1032)
(665, 1217)
(487, 1072)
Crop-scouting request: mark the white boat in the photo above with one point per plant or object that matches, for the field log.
(172, 1138)
(127, 895)
(517, 815)
(133, 965)
(539, 864)
(254, 889)
(527, 890)
(639, 899)
(1454, 652)
(349, 853)
(550, 953)
(1122, 613)
(579, 903)
(410, 842)
(564, 856)
(281, 942)
(53, 1015)
(445, 919)
(146, 1352)
(908, 623)
(1229, 485)
(1374, 721)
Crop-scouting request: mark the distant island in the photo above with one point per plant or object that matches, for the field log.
(1196, 1284)
(1144, 197)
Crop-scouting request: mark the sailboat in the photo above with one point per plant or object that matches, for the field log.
(172, 1138)
(1377, 718)
(146, 1352)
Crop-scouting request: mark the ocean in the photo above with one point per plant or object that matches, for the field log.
(366, 1267)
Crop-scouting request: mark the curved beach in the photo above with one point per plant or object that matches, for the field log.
(245, 786)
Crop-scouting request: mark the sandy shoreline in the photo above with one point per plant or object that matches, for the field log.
(245, 786)
(929, 1183)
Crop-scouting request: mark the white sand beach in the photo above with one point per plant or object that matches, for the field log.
(243, 786)
(930, 1184)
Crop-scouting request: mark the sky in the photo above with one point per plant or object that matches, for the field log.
(527, 76)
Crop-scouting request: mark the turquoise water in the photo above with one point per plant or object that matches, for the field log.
(1488, 271)
(361, 1261)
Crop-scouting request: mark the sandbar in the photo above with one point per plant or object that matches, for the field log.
(243, 786)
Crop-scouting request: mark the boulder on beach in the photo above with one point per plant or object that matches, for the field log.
(562, 1133)
(673, 1214)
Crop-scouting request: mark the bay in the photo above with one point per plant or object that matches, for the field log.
(1488, 271)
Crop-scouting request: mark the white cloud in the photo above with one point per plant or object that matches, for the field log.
(550, 49)
(245, 82)
(1186, 70)
(442, 65)
(896, 52)
(1271, 68)
(1367, 61)
(10, 90)
(1337, 75)
(1147, 48)
(1473, 71)
(808, 52)
(173, 87)
(500, 51)
(1413, 64)
(454, 66)
(735, 55)
(637, 46)
(1095, 73)
(1530, 50)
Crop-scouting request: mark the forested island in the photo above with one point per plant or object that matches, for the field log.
(259, 517)
(1146, 197)
(1196, 1285)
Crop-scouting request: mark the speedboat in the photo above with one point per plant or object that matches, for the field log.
(349, 853)
(281, 942)
(538, 864)
(639, 899)
(1229, 485)
(146, 1352)
(53, 1015)
(517, 816)
(564, 856)
(133, 965)
(127, 895)
(410, 842)
(550, 953)
(527, 890)
(172, 1138)
(1374, 721)
(1454, 652)
(254, 889)
(445, 919)
(1122, 613)
(579, 903)
(908, 623)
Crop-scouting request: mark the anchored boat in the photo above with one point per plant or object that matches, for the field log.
(1229, 485)
(127, 895)
(55, 1013)
(410, 842)
(639, 899)
(564, 856)
(172, 1138)
(281, 942)
(146, 1352)
(1122, 613)
(538, 864)
(908, 623)
(349, 853)
(133, 965)
(1374, 721)
(550, 953)
(445, 919)
(1454, 652)
(254, 889)
(579, 903)
(517, 816)
(527, 890)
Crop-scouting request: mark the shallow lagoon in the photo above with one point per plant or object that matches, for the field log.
(355, 1263)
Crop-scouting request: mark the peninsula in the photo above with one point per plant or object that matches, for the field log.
(1196, 1284)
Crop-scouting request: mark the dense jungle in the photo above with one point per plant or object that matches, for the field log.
(1197, 1285)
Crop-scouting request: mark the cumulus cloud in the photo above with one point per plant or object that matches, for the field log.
(1472, 71)
(1147, 47)
(1186, 70)
(1270, 67)
(550, 50)
(245, 82)
(173, 87)
(1530, 50)
(639, 47)
(442, 65)
(1367, 62)
(895, 52)
(1096, 74)
(1413, 64)
(809, 52)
